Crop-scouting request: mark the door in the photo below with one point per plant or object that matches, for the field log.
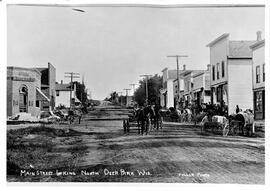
(23, 100)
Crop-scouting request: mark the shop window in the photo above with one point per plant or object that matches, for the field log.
(263, 72)
(219, 94)
(258, 102)
(257, 74)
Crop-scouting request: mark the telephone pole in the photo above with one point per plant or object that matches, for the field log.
(71, 75)
(127, 95)
(178, 83)
(146, 86)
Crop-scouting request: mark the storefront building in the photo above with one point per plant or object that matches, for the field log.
(23, 86)
(258, 68)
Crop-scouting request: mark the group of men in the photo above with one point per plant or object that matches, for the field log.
(148, 117)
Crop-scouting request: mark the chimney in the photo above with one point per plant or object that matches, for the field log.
(208, 67)
(184, 67)
(259, 35)
(61, 81)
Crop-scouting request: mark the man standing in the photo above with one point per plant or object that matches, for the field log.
(141, 120)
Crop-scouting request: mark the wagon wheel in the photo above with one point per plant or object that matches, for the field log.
(71, 119)
(233, 129)
(226, 130)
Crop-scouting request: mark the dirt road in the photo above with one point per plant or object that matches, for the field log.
(99, 151)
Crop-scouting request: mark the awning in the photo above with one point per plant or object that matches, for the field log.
(219, 84)
(197, 90)
(40, 96)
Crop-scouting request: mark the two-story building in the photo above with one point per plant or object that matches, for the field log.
(231, 71)
(258, 69)
(188, 94)
(179, 95)
(201, 86)
(48, 77)
(166, 93)
(66, 95)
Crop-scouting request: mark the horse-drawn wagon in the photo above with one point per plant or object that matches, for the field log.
(70, 116)
(240, 123)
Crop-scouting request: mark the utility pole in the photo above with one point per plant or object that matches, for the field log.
(178, 83)
(71, 75)
(127, 95)
(146, 86)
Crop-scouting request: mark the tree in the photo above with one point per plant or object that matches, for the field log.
(154, 85)
(113, 97)
(81, 93)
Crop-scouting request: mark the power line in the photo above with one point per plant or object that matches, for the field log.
(146, 86)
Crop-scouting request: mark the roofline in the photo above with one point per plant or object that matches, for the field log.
(201, 73)
(257, 44)
(225, 35)
(164, 69)
(239, 57)
(21, 68)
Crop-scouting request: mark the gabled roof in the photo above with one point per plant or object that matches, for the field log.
(225, 35)
(194, 72)
(62, 87)
(200, 73)
(240, 49)
(257, 44)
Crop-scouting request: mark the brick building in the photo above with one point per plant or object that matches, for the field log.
(23, 88)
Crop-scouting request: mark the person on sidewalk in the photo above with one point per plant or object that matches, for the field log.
(237, 109)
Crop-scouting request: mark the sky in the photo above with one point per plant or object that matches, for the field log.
(112, 46)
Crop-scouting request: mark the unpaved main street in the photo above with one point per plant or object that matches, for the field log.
(99, 151)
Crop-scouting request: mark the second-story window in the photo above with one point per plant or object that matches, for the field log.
(222, 69)
(213, 73)
(218, 68)
(257, 74)
(263, 73)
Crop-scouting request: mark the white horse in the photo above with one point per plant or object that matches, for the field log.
(223, 123)
(247, 119)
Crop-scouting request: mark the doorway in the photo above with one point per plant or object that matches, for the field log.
(23, 99)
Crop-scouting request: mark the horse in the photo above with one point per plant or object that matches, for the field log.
(218, 122)
(149, 118)
(188, 115)
(185, 115)
(73, 114)
(244, 120)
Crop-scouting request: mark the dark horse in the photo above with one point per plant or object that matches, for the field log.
(145, 119)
